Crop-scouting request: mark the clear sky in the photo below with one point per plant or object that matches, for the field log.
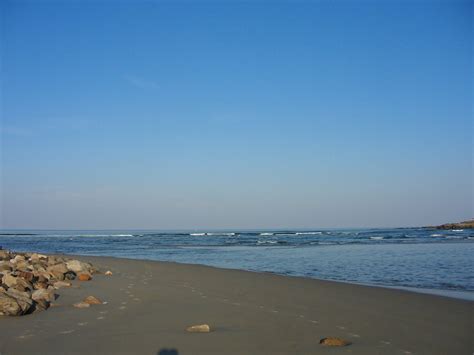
(226, 114)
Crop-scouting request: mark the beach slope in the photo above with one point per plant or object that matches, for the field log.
(150, 304)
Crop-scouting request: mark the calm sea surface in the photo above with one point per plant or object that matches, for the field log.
(426, 259)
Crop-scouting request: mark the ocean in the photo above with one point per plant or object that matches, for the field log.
(419, 259)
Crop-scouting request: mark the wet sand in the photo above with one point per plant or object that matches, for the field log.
(149, 305)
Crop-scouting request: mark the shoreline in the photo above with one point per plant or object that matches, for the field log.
(151, 303)
(454, 294)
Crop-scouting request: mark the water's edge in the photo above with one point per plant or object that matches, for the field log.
(461, 295)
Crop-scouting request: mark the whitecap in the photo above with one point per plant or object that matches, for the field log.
(308, 233)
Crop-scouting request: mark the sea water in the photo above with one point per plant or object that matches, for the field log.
(422, 259)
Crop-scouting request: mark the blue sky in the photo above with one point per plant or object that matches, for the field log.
(223, 114)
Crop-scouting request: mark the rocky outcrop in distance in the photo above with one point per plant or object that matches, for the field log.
(461, 225)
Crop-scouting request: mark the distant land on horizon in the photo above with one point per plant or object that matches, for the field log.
(468, 224)
(460, 225)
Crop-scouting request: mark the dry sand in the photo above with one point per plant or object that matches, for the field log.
(150, 304)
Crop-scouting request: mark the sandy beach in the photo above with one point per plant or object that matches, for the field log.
(150, 304)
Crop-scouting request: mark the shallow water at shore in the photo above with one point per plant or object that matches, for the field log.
(414, 258)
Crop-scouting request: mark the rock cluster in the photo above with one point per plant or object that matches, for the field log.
(28, 280)
(461, 225)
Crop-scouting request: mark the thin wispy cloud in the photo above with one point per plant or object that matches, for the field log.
(141, 83)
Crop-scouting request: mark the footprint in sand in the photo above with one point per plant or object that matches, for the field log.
(314, 321)
(385, 342)
(99, 318)
(124, 302)
(103, 312)
(136, 299)
(24, 336)
(122, 307)
(301, 316)
(82, 324)
(274, 311)
(340, 327)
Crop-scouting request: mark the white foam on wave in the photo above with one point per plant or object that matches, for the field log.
(376, 238)
(436, 235)
(266, 233)
(308, 233)
(210, 234)
(69, 236)
(266, 242)
(457, 230)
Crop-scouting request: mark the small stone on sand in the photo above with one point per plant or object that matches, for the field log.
(84, 277)
(200, 328)
(92, 300)
(81, 305)
(108, 273)
(331, 341)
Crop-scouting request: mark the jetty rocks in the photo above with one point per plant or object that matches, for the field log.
(28, 281)
(461, 225)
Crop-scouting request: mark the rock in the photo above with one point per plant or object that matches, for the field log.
(42, 276)
(28, 276)
(57, 271)
(23, 285)
(70, 275)
(81, 305)
(9, 280)
(84, 277)
(5, 266)
(200, 328)
(332, 341)
(108, 273)
(40, 285)
(9, 306)
(92, 300)
(37, 257)
(461, 225)
(22, 265)
(60, 284)
(43, 294)
(40, 305)
(77, 266)
(4, 254)
(22, 298)
(17, 259)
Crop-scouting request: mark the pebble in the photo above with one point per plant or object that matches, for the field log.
(200, 328)
(332, 341)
